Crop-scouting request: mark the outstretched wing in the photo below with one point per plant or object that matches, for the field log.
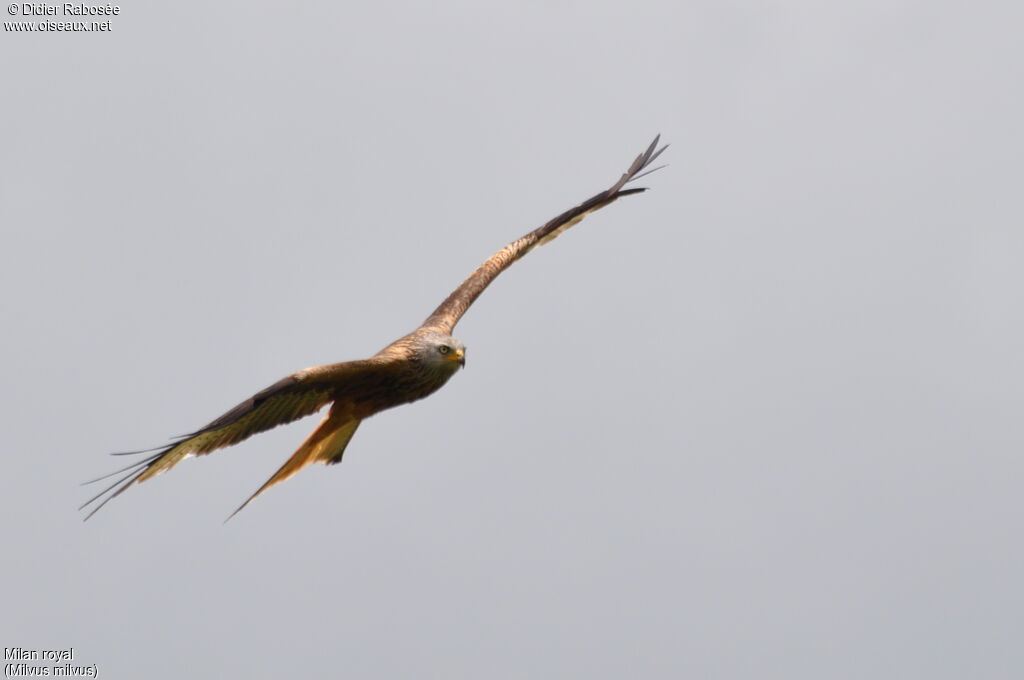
(455, 305)
(289, 399)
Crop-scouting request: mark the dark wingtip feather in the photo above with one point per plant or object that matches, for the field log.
(136, 464)
(639, 167)
(648, 157)
(135, 470)
(174, 440)
(647, 172)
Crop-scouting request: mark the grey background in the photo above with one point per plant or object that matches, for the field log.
(761, 421)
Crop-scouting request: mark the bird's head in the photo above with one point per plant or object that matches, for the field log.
(441, 350)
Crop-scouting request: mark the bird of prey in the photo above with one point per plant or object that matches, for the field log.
(410, 368)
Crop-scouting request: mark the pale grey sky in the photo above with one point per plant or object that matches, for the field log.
(759, 422)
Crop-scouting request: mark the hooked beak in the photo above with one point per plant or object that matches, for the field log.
(458, 356)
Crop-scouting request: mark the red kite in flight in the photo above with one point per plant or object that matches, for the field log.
(408, 369)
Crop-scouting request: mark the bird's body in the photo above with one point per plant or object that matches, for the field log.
(411, 368)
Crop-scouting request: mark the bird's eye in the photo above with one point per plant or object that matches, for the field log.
(444, 349)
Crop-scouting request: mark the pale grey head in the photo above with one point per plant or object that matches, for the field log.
(438, 350)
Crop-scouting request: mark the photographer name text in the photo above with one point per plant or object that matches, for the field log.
(68, 9)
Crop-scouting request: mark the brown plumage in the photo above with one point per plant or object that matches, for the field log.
(408, 369)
